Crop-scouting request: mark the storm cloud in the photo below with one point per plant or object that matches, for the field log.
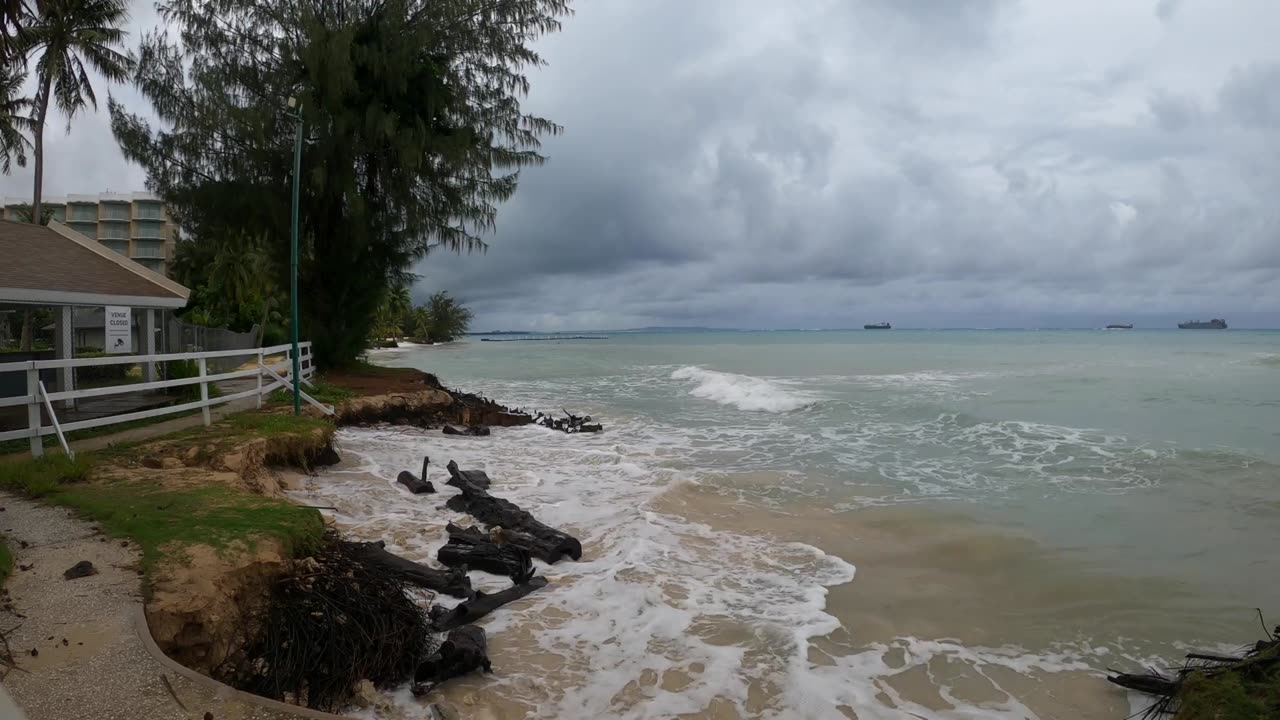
(825, 163)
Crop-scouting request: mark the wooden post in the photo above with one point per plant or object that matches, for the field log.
(204, 393)
(33, 410)
(261, 357)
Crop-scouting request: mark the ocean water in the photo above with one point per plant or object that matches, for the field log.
(902, 524)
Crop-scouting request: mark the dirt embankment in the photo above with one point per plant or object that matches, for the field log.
(205, 604)
(403, 396)
(202, 600)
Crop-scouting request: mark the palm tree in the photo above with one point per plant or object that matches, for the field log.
(68, 35)
(422, 323)
(13, 14)
(13, 118)
(399, 305)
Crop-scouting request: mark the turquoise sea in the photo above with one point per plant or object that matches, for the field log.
(900, 524)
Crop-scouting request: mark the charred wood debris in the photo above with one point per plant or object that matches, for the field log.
(353, 611)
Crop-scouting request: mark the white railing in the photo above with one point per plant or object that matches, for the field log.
(269, 378)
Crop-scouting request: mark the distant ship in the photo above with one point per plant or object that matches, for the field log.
(1120, 326)
(1214, 324)
(878, 326)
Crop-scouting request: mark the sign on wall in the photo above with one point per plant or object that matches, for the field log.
(119, 336)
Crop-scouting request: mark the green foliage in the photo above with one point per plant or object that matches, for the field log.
(394, 315)
(104, 374)
(14, 120)
(413, 134)
(1248, 691)
(441, 319)
(233, 283)
(163, 521)
(24, 211)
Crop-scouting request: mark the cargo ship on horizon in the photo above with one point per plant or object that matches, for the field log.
(1214, 324)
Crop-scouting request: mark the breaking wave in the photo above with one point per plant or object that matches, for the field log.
(744, 392)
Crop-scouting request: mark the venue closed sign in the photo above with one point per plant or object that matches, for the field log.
(119, 339)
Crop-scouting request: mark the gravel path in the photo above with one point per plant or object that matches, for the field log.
(76, 639)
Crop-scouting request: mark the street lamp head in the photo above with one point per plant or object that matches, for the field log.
(293, 103)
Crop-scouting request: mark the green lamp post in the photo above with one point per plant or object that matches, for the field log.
(293, 259)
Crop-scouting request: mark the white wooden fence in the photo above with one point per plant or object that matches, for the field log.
(268, 378)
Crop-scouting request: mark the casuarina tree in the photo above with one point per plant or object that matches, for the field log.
(413, 133)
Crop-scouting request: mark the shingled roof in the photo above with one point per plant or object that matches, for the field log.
(55, 265)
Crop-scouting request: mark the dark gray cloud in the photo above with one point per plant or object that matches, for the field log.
(824, 163)
(821, 164)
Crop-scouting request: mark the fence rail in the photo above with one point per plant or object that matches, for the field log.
(270, 377)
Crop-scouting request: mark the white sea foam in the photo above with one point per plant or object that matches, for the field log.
(656, 596)
(742, 391)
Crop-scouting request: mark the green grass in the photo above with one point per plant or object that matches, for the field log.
(323, 393)
(1250, 691)
(163, 521)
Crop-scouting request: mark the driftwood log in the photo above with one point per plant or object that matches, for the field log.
(416, 485)
(445, 619)
(463, 651)
(450, 582)
(475, 430)
(519, 528)
(474, 550)
(570, 423)
(474, 478)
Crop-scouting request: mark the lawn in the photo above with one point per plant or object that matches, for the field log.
(165, 519)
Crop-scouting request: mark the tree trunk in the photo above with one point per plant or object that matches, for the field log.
(42, 110)
(519, 528)
(465, 650)
(25, 343)
(446, 619)
(449, 582)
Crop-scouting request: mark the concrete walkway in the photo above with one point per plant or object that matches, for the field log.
(77, 642)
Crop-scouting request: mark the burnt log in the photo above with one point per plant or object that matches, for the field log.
(1151, 684)
(474, 430)
(543, 542)
(452, 582)
(324, 457)
(472, 478)
(569, 424)
(415, 485)
(445, 619)
(463, 651)
(474, 550)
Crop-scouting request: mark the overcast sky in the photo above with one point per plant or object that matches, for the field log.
(825, 163)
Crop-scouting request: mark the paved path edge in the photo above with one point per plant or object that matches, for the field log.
(222, 689)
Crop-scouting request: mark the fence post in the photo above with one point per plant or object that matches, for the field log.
(261, 359)
(204, 393)
(33, 410)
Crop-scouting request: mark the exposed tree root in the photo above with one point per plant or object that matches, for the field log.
(337, 619)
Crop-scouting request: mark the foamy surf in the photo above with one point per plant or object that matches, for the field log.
(665, 616)
(744, 392)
